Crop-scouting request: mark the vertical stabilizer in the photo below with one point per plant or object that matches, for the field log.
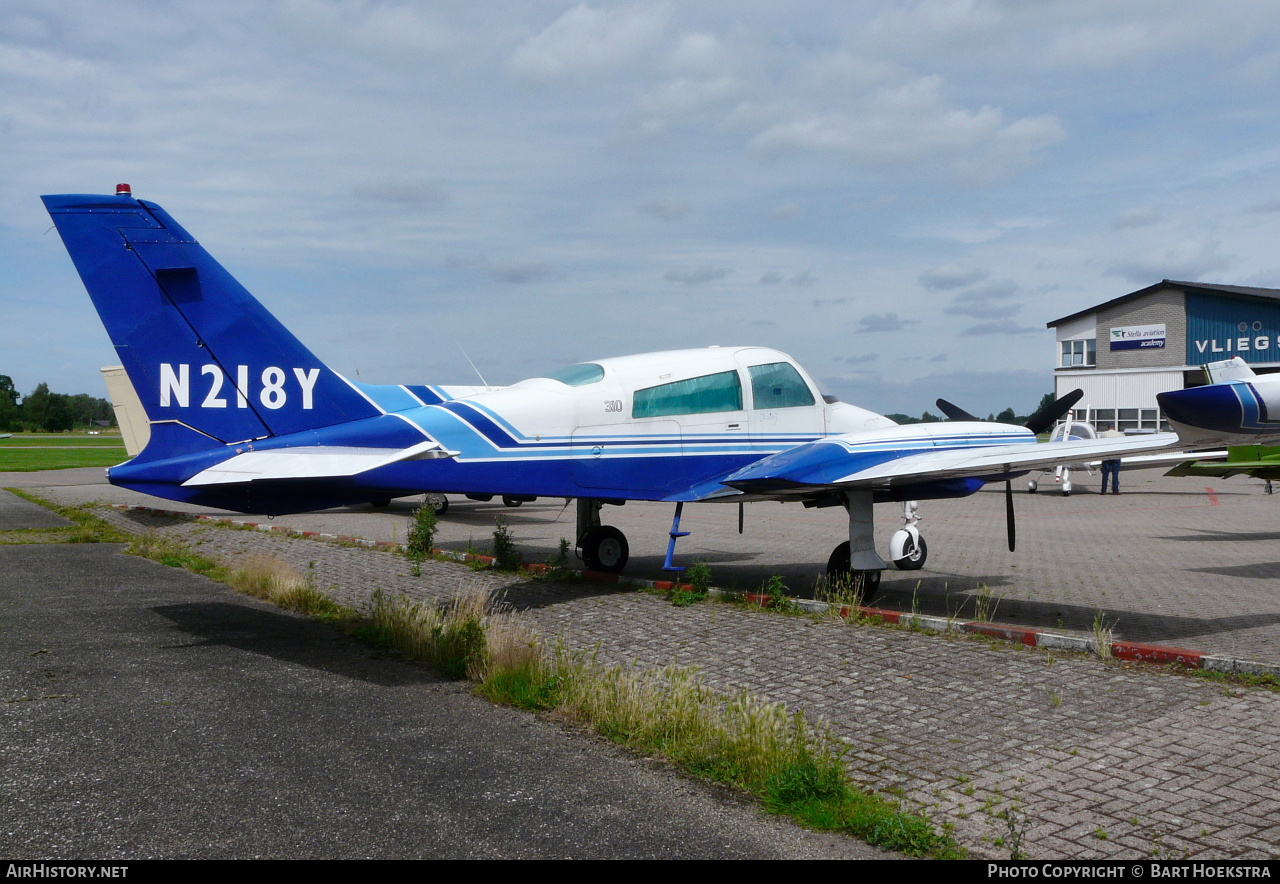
(198, 349)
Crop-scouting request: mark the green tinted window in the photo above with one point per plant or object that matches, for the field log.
(578, 375)
(709, 393)
(778, 385)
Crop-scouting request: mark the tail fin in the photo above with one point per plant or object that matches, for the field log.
(1233, 369)
(197, 347)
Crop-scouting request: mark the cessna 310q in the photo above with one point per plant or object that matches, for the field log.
(244, 417)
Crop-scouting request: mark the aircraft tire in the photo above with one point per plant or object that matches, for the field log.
(605, 549)
(1033, 487)
(913, 556)
(438, 502)
(511, 501)
(865, 583)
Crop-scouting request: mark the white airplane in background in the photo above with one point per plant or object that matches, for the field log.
(244, 417)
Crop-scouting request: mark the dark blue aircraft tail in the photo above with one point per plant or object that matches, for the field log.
(198, 348)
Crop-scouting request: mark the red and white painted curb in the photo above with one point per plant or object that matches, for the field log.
(1136, 652)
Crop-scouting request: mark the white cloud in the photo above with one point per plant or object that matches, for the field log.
(699, 53)
(696, 275)
(586, 40)
(523, 274)
(1101, 47)
(1190, 260)
(410, 194)
(1000, 327)
(951, 276)
(682, 99)
(1136, 218)
(665, 209)
(908, 123)
(883, 322)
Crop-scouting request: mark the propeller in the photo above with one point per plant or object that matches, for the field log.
(1037, 423)
(954, 412)
(1045, 417)
(1008, 514)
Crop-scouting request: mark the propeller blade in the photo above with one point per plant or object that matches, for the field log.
(1008, 514)
(1045, 417)
(954, 412)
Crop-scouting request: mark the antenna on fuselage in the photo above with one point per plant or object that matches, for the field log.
(472, 364)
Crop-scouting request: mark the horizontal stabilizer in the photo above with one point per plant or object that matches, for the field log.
(312, 462)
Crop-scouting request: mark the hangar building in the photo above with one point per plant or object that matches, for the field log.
(1125, 351)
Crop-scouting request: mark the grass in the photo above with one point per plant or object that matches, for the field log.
(89, 527)
(172, 552)
(19, 440)
(1103, 635)
(276, 581)
(27, 452)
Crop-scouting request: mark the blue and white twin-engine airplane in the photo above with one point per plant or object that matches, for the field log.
(244, 417)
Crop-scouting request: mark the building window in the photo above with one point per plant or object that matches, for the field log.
(1079, 353)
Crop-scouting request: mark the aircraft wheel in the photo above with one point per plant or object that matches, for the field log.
(1066, 492)
(511, 501)
(381, 503)
(438, 502)
(1033, 486)
(865, 584)
(913, 556)
(604, 549)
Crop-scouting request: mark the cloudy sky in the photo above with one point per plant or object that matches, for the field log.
(899, 194)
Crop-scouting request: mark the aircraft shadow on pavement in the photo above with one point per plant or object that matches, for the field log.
(287, 638)
(1211, 534)
(533, 594)
(1258, 570)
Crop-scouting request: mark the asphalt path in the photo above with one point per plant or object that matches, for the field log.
(149, 712)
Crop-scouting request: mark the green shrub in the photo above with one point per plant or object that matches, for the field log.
(505, 555)
(420, 542)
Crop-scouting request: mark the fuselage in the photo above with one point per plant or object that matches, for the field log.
(654, 426)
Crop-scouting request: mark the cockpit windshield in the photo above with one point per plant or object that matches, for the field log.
(578, 375)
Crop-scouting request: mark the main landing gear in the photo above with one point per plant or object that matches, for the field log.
(601, 547)
(856, 562)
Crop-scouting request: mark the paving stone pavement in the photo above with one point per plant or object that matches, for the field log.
(1100, 759)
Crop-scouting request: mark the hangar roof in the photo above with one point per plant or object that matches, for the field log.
(1239, 291)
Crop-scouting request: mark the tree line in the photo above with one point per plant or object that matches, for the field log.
(48, 411)
(1005, 417)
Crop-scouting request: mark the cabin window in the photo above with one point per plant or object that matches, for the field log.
(778, 385)
(578, 375)
(704, 395)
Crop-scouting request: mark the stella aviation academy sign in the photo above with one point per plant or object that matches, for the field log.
(1138, 337)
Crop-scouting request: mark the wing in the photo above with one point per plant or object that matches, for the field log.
(1257, 469)
(849, 463)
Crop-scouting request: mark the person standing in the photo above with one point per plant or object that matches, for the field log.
(1111, 467)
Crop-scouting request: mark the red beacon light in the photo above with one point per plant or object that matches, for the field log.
(124, 190)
